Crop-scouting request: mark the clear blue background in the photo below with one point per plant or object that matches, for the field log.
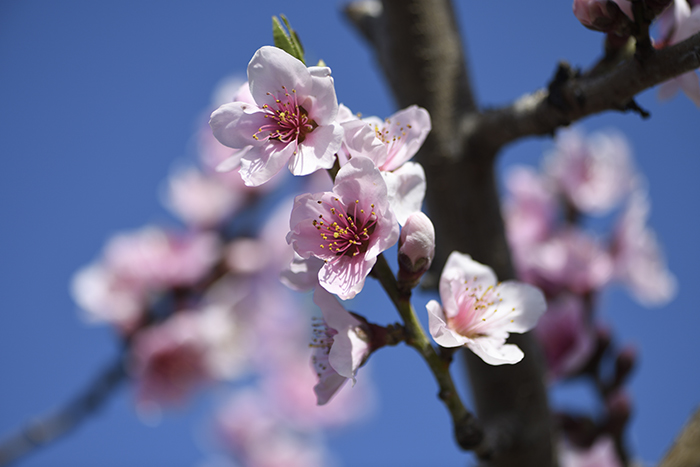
(97, 101)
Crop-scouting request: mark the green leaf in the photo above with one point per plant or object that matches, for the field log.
(287, 41)
(294, 37)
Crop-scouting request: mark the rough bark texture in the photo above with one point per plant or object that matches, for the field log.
(418, 46)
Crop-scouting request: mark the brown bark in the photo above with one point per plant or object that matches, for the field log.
(418, 46)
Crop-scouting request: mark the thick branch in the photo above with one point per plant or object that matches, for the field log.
(543, 111)
(418, 47)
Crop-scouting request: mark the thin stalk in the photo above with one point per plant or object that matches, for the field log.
(467, 430)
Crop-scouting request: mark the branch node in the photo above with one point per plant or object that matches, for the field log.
(632, 106)
(556, 97)
(468, 432)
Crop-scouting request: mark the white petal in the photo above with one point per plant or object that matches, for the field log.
(406, 188)
(334, 314)
(235, 123)
(233, 162)
(345, 278)
(522, 306)
(461, 268)
(274, 71)
(317, 151)
(495, 351)
(690, 84)
(322, 102)
(348, 353)
(327, 386)
(261, 163)
(442, 334)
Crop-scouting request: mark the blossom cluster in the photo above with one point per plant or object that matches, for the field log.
(203, 305)
(546, 211)
(295, 119)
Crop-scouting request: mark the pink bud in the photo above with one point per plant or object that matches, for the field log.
(602, 15)
(416, 248)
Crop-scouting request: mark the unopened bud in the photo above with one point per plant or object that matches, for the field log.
(416, 249)
(603, 15)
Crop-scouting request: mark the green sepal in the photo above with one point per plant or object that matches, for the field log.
(287, 41)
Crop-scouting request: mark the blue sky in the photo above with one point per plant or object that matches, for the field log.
(98, 101)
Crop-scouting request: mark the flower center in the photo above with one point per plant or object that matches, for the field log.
(392, 134)
(346, 234)
(287, 121)
(477, 306)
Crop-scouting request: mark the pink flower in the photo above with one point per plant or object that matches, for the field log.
(292, 120)
(390, 144)
(136, 264)
(347, 228)
(302, 273)
(168, 361)
(594, 173)
(402, 134)
(200, 200)
(341, 345)
(638, 259)
(289, 388)
(105, 297)
(678, 24)
(190, 349)
(530, 210)
(480, 312)
(570, 259)
(259, 437)
(566, 337)
(157, 259)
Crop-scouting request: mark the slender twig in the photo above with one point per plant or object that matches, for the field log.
(55, 425)
(534, 114)
(467, 430)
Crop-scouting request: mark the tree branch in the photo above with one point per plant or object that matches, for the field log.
(53, 426)
(419, 48)
(576, 97)
(467, 431)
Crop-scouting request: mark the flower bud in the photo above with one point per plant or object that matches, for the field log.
(602, 15)
(416, 249)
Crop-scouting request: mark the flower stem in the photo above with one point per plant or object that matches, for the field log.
(468, 433)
